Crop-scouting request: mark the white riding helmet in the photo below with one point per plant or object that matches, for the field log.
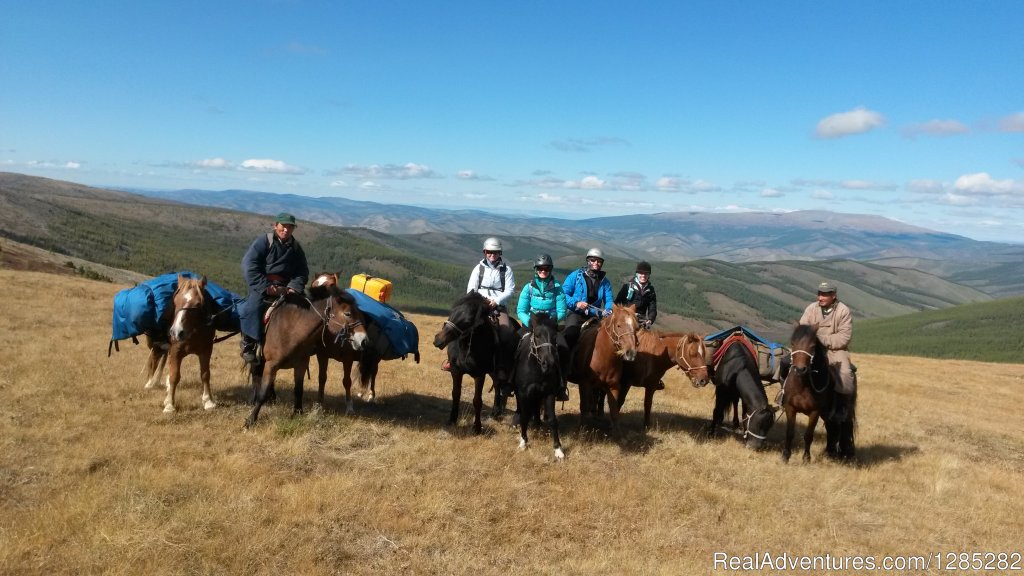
(492, 244)
(595, 253)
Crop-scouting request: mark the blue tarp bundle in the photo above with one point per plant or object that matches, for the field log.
(392, 335)
(138, 310)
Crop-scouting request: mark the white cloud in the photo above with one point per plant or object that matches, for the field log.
(822, 195)
(269, 166)
(924, 186)
(856, 121)
(591, 183)
(407, 171)
(213, 163)
(1012, 123)
(669, 184)
(72, 165)
(771, 193)
(983, 184)
(471, 175)
(936, 128)
(339, 184)
(953, 199)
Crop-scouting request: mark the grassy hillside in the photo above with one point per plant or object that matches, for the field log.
(95, 479)
(430, 270)
(987, 331)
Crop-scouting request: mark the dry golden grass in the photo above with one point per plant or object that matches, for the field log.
(94, 478)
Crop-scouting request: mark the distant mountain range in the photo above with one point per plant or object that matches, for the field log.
(674, 236)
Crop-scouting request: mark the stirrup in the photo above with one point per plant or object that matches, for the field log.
(446, 366)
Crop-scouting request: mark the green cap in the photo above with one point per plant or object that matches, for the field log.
(826, 287)
(285, 218)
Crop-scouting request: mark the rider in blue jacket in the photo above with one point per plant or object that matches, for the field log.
(588, 294)
(544, 294)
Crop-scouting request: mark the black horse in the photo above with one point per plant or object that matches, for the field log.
(810, 389)
(473, 348)
(537, 376)
(736, 377)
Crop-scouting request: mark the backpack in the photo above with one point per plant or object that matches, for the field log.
(480, 276)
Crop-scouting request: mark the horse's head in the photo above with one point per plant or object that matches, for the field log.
(189, 307)
(325, 279)
(542, 342)
(757, 425)
(345, 320)
(467, 313)
(803, 344)
(622, 326)
(691, 359)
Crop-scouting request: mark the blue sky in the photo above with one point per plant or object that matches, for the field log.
(911, 110)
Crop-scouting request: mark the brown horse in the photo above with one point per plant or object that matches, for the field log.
(191, 332)
(295, 330)
(369, 360)
(809, 389)
(656, 354)
(597, 363)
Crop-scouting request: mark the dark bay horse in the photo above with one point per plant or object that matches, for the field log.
(472, 342)
(192, 332)
(656, 354)
(736, 376)
(809, 389)
(366, 356)
(537, 377)
(597, 362)
(295, 330)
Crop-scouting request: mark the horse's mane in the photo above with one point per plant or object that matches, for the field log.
(803, 331)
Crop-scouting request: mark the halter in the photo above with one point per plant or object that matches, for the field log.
(535, 347)
(749, 417)
(618, 336)
(681, 358)
(811, 371)
(327, 317)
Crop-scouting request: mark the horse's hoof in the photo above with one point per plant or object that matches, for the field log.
(168, 408)
(807, 458)
(559, 455)
(209, 405)
(522, 444)
(785, 458)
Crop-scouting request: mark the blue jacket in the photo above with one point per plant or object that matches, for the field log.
(536, 297)
(575, 288)
(267, 255)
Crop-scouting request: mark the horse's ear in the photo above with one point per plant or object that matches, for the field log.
(181, 278)
(202, 281)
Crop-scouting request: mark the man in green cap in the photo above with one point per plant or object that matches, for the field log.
(274, 265)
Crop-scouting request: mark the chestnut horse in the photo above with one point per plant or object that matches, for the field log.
(369, 360)
(597, 362)
(191, 332)
(537, 376)
(656, 354)
(809, 389)
(295, 330)
(472, 342)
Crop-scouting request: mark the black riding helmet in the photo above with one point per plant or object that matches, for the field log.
(543, 260)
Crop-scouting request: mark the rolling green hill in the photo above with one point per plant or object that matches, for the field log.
(986, 331)
(153, 236)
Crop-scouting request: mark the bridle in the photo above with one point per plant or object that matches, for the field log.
(681, 358)
(327, 317)
(618, 337)
(749, 417)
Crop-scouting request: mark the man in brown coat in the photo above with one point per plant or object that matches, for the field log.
(834, 324)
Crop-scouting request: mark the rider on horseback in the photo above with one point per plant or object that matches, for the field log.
(274, 265)
(639, 291)
(588, 294)
(544, 294)
(833, 323)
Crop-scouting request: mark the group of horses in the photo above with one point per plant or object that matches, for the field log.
(613, 355)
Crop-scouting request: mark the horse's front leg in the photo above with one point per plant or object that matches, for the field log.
(812, 422)
(173, 377)
(549, 408)
(456, 395)
(790, 429)
(525, 408)
(613, 410)
(204, 375)
(722, 401)
(478, 403)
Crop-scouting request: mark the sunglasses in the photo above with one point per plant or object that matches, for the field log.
(543, 269)
(498, 252)
(594, 260)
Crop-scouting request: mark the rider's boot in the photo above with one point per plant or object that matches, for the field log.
(248, 349)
